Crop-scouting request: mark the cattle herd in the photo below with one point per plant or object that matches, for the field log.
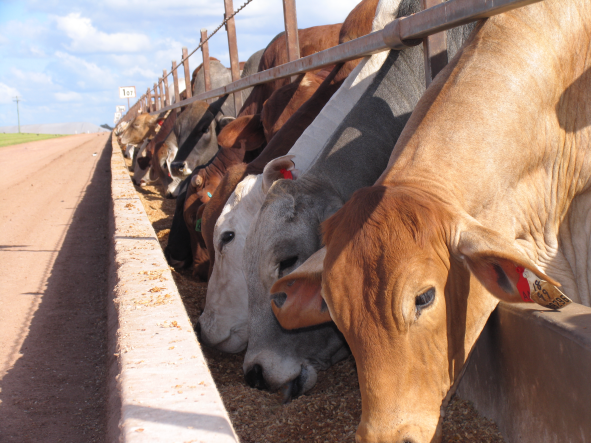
(352, 210)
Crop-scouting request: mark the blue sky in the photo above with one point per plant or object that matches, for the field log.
(66, 59)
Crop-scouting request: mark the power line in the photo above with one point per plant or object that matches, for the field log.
(226, 20)
(17, 99)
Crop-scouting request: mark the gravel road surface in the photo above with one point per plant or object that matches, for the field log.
(53, 261)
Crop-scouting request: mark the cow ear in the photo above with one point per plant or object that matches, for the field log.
(281, 167)
(297, 300)
(247, 128)
(506, 272)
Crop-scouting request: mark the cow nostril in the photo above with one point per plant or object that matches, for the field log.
(254, 378)
(198, 331)
(279, 298)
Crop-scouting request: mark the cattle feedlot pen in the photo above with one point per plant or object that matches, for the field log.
(400, 33)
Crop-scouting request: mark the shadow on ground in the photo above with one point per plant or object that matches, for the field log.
(56, 392)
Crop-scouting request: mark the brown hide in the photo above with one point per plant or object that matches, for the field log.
(357, 24)
(312, 40)
(142, 127)
(208, 177)
(284, 102)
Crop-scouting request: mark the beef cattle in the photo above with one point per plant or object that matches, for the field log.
(311, 40)
(140, 128)
(224, 322)
(141, 168)
(485, 198)
(287, 230)
(207, 179)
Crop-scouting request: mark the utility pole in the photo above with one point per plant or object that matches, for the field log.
(17, 99)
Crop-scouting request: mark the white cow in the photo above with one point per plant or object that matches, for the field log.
(224, 321)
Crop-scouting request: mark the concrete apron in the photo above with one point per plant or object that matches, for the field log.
(160, 387)
(530, 372)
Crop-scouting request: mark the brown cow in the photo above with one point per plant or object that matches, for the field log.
(140, 128)
(485, 198)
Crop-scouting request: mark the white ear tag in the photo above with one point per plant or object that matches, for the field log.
(542, 292)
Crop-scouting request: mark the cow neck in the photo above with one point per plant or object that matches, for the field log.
(289, 133)
(225, 158)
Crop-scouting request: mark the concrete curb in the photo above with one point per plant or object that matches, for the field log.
(160, 389)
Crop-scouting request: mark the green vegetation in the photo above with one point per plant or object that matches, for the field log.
(15, 139)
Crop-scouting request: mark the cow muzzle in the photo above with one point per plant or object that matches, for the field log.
(303, 382)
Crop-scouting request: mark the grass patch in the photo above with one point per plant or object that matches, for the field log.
(15, 139)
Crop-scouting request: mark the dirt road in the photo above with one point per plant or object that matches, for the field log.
(54, 202)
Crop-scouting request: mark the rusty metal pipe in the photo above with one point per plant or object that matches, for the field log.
(400, 33)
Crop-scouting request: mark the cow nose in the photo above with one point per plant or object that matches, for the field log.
(198, 331)
(254, 377)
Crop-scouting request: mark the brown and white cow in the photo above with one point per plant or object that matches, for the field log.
(140, 128)
(486, 197)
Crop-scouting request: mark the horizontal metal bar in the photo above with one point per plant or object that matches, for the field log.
(410, 30)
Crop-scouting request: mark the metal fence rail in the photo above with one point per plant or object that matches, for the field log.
(400, 33)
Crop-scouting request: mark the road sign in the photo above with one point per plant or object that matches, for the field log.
(127, 92)
(120, 109)
(117, 116)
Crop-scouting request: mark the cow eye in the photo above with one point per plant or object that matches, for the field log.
(226, 238)
(287, 263)
(206, 129)
(425, 299)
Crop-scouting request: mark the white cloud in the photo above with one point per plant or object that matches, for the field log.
(146, 73)
(69, 96)
(36, 51)
(7, 94)
(87, 39)
(90, 72)
(32, 77)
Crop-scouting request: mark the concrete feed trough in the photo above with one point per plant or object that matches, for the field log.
(160, 387)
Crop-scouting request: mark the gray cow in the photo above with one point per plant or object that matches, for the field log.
(287, 231)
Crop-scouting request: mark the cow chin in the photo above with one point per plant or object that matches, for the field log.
(423, 430)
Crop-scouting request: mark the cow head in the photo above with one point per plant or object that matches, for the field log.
(195, 131)
(141, 127)
(285, 234)
(224, 322)
(142, 166)
(408, 281)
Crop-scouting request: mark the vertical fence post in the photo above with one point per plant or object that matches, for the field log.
(187, 73)
(175, 80)
(233, 46)
(160, 94)
(156, 98)
(205, 52)
(165, 81)
(149, 97)
(291, 30)
(434, 48)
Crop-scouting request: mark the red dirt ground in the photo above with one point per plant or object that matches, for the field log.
(53, 289)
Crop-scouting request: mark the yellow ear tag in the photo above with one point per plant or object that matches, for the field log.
(544, 293)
